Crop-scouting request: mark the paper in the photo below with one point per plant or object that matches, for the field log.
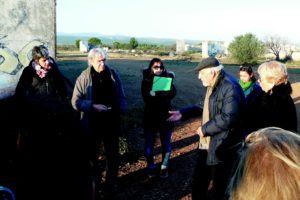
(161, 83)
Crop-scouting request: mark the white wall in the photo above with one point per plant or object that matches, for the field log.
(83, 46)
(23, 24)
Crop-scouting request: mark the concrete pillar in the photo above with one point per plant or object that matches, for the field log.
(180, 46)
(204, 49)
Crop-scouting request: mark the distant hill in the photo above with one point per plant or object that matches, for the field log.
(69, 39)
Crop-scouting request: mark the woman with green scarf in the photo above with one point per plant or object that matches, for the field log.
(248, 83)
(251, 91)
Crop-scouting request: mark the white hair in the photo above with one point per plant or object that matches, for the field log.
(93, 53)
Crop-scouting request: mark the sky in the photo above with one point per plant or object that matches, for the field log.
(181, 19)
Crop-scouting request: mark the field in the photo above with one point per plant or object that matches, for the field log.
(133, 182)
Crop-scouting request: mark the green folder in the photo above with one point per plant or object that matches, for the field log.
(161, 83)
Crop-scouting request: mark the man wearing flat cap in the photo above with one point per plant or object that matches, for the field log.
(220, 134)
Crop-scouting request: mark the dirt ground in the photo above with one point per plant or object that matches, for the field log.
(134, 185)
(133, 181)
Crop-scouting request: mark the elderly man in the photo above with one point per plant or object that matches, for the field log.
(220, 134)
(98, 94)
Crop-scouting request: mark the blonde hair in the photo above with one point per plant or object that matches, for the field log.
(270, 167)
(273, 71)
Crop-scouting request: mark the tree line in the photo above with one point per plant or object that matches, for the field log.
(245, 48)
(133, 44)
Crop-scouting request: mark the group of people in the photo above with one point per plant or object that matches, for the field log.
(230, 133)
(236, 113)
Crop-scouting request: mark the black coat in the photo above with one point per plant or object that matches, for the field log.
(41, 100)
(156, 107)
(226, 109)
(275, 109)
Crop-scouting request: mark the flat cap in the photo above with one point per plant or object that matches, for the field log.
(207, 63)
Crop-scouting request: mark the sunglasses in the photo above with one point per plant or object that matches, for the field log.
(157, 67)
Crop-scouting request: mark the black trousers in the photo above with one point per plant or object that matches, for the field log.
(210, 182)
(104, 133)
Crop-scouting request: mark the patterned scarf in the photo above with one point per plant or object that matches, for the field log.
(41, 71)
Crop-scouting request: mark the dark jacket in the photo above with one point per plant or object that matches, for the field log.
(41, 99)
(82, 98)
(156, 107)
(256, 90)
(226, 107)
(32, 86)
(250, 101)
(275, 109)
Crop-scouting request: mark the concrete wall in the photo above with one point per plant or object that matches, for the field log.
(23, 24)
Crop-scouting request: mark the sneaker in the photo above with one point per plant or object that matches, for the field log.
(164, 172)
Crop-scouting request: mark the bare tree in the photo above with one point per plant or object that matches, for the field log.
(276, 44)
(289, 49)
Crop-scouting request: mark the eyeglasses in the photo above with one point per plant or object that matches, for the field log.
(103, 60)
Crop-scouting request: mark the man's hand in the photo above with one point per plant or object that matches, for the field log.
(99, 107)
(199, 132)
(175, 116)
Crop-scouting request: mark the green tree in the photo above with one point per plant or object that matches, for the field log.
(94, 41)
(133, 43)
(116, 45)
(77, 43)
(246, 49)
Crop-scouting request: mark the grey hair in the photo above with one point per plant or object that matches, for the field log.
(40, 51)
(94, 53)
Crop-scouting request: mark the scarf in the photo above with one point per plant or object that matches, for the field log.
(247, 87)
(205, 141)
(41, 71)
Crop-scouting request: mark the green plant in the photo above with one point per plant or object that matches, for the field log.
(94, 41)
(246, 49)
(116, 45)
(77, 43)
(133, 43)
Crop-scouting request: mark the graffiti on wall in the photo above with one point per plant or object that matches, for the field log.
(11, 66)
(23, 25)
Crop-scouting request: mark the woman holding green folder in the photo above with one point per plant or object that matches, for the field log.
(157, 90)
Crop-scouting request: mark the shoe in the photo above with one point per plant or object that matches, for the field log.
(164, 173)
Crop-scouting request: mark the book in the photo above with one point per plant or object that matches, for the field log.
(161, 83)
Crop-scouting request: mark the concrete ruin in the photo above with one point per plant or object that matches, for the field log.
(83, 46)
(24, 24)
(180, 46)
